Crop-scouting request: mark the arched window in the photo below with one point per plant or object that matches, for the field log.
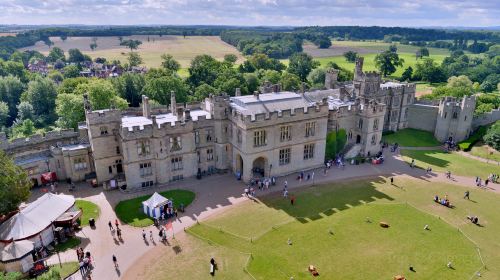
(375, 124)
(360, 124)
(374, 139)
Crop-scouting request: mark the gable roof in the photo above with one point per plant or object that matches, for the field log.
(155, 200)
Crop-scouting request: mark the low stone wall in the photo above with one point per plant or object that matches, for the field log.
(486, 118)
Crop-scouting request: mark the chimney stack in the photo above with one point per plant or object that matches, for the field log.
(331, 77)
(256, 94)
(146, 109)
(173, 103)
(180, 113)
(187, 115)
(237, 92)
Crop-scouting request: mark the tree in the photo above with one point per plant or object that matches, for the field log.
(56, 76)
(56, 54)
(290, 82)
(134, 59)
(24, 129)
(69, 85)
(344, 74)
(407, 74)
(351, 56)
(159, 89)
(93, 44)
(230, 58)
(271, 76)
(41, 93)
(387, 62)
(169, 63)
(301, 64)
(202, 92)
(11, 89)
(75, 56)
(70, 109)
(489, 84)
(131, 44)
(25, 111)
(393, 48)
(129, 87)
(71, 71)
(424, 52)
(460, 81)
(14, 185)
(335, 142)
(429, 71)
(492, 136)
(260, 61)
(63, 37)
(317, 77)
(203, 69)
(102, 94)
(252, 82)
(4, 113)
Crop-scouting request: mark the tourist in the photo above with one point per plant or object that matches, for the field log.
(175, 212)
(116, 223)
(292, 200)
(119, 233)
(466, 195)
(144, 235)
(286, 184)
(436, 198)
(312, 176)
(115, 261)
(151, 236)
(285, 193)
(392, 180)
(110, 225)
(486, 183)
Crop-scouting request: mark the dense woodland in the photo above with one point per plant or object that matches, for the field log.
(32, 102)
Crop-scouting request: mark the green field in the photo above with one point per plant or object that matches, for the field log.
(328, 228)
(131, 212)
(410, 137)
(382, 46)
(182, 49)
(484, 151)
(89, 210)
(458, 165)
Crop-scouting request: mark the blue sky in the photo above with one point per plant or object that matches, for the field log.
(253, 12)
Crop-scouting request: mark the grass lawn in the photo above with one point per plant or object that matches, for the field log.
(130, 211)
(66, 270)
(457, 164)
(482, 150)
(89, 209)
(382, 46)
(409, 137)
(356, 249)
(69, 244)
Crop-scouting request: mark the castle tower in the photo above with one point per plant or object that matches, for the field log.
(358, 69)
(331, 77)
(454, 119)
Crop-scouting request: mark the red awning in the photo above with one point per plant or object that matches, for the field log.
(48, 177)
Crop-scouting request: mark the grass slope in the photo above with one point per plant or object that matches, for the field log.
(484, 151)
(409, 137)
(457, 164)
(358, 249)
(89, 209)
(130, 211)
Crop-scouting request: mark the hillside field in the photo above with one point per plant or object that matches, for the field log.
(182, 49)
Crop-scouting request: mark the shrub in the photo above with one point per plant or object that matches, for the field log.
(467, 144)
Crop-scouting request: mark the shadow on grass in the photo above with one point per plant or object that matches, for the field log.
(320, 201)
(427, 157)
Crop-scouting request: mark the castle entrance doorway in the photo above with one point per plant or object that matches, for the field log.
(239, 166)
(259, 167)
(358, 139)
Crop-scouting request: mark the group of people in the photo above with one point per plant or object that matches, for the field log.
(306, 177)
(85, 261)
(443, 201)
(118, 229)
(263, 183)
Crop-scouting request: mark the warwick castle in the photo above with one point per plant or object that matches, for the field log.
(269, 133)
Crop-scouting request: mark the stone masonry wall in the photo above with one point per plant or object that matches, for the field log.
(422, 117)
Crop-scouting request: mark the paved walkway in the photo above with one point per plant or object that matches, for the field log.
(213, 195)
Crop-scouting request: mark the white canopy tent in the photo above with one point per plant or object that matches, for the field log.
(153, 207)
(34, 221)
(17, 256)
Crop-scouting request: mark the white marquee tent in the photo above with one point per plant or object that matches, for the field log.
(153, 207)
(34, 222)
(17, 256)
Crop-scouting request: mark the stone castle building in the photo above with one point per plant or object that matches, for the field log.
(269, 133)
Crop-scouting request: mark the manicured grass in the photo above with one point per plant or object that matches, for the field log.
(89, 209)
(357, 249)
(409, 137)
(130, 211)
(457, 164)
(484, 151)
(66, 270)
(69, 244)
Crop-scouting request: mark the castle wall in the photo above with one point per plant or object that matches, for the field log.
(423, 117)
(486, 118)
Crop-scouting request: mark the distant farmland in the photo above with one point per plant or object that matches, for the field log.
(182, 49)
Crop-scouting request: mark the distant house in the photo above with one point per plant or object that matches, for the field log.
(39, 66)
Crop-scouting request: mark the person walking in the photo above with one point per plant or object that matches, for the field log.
(144, 235)
(115, 261)
(119, 233)
(486, 183)
(292, 199)
(116, 223)
(286, 184)
(151, 235)
(110, 225)
(392, 180)
(466, 195)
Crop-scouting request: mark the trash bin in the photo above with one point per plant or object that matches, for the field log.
(91, 222)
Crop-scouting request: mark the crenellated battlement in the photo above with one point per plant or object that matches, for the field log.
(297, 113)
(37, 139)
(103, 116)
